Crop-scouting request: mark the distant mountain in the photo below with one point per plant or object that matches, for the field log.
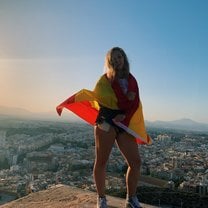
(182, 124)
(25, 114)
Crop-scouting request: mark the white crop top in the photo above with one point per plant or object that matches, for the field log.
(123, 84)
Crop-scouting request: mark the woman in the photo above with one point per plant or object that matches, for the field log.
(115, 110)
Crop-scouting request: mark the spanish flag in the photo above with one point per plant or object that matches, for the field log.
(85, 104)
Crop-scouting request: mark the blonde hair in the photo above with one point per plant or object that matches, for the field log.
(110, 70)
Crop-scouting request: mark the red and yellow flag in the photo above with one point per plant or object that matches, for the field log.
(85, 104)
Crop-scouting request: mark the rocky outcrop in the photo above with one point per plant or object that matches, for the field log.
(62, 196)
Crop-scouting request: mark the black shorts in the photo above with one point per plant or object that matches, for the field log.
(107, 115)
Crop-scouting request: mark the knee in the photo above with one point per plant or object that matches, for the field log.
(135, 164)
(100, 163)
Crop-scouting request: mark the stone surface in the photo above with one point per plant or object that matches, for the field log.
(62, 196)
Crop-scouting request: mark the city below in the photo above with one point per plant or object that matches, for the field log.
(35, 155)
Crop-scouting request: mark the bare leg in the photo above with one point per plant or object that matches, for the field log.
(129, 150)
(103, 144)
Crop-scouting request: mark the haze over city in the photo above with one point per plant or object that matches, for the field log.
(52, 49)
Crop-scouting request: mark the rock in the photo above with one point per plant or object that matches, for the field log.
(62, 196)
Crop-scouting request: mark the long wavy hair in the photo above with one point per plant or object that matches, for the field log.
(110, 70)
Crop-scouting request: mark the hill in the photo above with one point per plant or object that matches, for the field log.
(181, 124)
(62, 196)
(20, 113)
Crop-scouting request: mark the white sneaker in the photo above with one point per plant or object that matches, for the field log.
(132, 202)
(102, 202)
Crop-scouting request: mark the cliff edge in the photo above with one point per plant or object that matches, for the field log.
(62, 196)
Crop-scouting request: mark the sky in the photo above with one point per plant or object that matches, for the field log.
(50, 49)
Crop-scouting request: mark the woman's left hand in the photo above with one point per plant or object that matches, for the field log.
(131, 95)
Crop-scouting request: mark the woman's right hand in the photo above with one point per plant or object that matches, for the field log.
(119, 117)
